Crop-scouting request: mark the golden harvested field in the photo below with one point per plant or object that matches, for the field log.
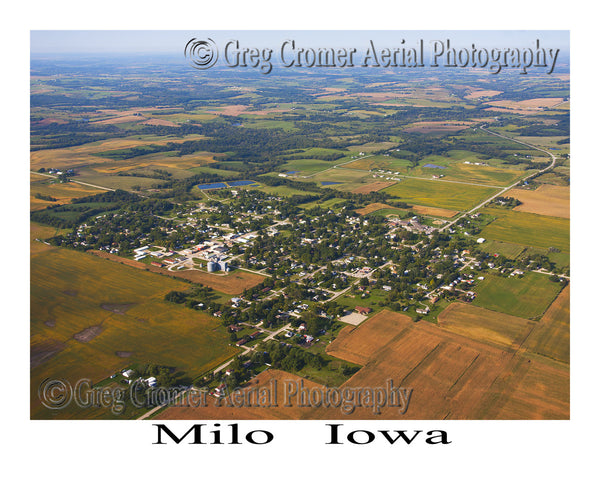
(484, 325)
(532, 388)
(232, 283)
(372, 207)
(81, 155)
(551, 335)
(91, 318)
(121, 119)
(532, 104)
(236, 110)
(549, 200)
(452, 376)
(63, 192)
(434, 211)
(373, 187)
(359, 344)
(185, 162)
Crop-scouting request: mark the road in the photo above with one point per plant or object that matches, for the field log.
(74, 181)
(504, 190)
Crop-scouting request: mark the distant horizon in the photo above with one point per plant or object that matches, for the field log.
(165, 42)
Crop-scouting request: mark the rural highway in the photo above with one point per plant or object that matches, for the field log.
(504, 190)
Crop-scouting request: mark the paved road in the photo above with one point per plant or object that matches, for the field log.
(485, 202)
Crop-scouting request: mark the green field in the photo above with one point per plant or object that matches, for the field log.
(526, 297)
(454, 196)
(509, 250)
(73, 291)
(527, 229)
(308, 166)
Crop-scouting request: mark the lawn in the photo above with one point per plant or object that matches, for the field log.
(526, 297)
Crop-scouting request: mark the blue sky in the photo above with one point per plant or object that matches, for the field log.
(168, 41)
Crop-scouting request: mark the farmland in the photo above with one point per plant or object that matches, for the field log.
(484, 325)
(432, 193)
(527, 229)
(452, 376)
(526, 297)
(545, 200)
(127, 308)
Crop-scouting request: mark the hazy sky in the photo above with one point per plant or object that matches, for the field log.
(167, 41)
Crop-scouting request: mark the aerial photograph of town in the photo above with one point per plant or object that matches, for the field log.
(296, 225)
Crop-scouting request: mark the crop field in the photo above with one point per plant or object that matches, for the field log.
(484, 325)
(62, 192)
(534, 388)
(309, 166)
(373, 187)
(549, 200)
(527, 229)
(526, 297)
(232, 283)
(372, 207)
(359, 344)
(452, 376)
(529, 104)
(551, 335)
(434, 193)
(470, 173)
(434, 212)
(348, 180)
(380, 162)
(509, 250)
(72, 157)
(91, 318)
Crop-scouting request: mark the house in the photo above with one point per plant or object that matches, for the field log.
(151, 381)
(128, 373)
(241, 342)
(255, 334)
(363, 310)
(156, 264)
(423, 311)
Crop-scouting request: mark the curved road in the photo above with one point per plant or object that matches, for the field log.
(549, 167)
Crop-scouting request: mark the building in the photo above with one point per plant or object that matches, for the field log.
(363, 310)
